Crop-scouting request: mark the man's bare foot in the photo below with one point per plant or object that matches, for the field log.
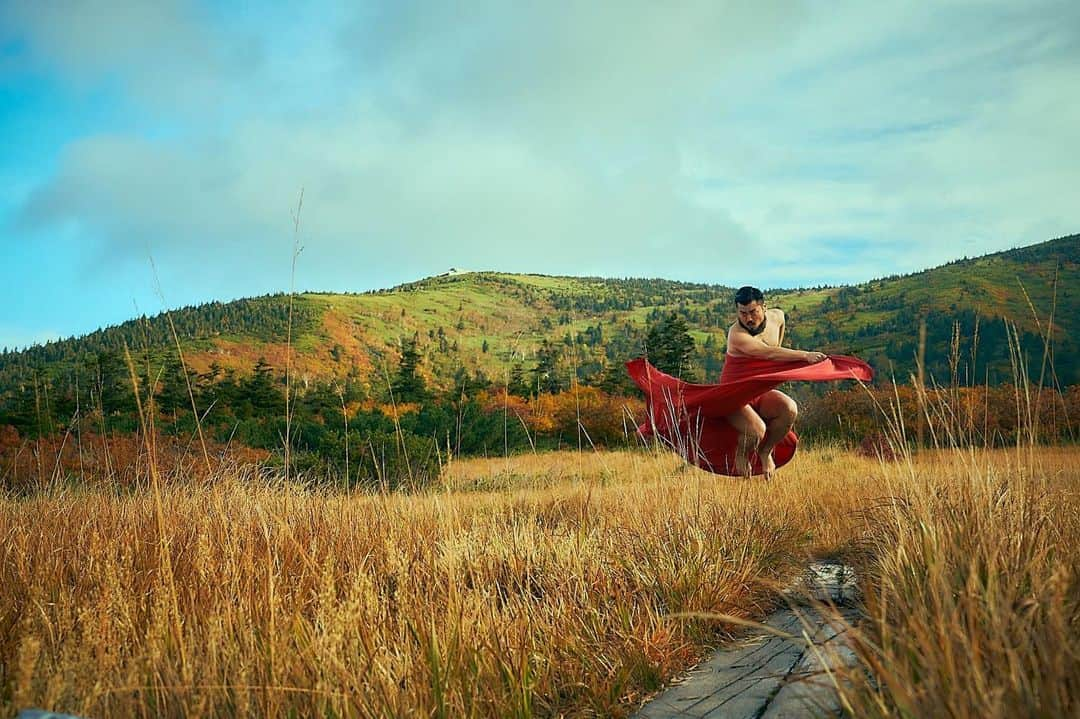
(768, 466)
(742, 464)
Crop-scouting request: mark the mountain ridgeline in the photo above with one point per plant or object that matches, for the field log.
(986, 319)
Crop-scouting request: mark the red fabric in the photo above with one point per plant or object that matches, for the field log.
(690, 417)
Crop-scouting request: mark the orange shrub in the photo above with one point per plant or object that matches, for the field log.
(982, 415)
(605, 418)
(121, 459)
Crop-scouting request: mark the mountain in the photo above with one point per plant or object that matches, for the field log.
(967, 305)
(498, 325)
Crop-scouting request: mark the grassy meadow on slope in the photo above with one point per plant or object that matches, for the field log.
(538, 585)
(483, 363)
(598, 323)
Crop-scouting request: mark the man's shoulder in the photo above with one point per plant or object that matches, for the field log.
(775, 313)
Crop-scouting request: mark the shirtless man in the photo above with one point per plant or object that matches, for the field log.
(759, 333)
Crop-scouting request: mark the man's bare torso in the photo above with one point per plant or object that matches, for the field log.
(772, 335)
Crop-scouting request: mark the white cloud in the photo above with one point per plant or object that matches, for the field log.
(922, 144)
(166, 55)
(444, 197)
(787, 142)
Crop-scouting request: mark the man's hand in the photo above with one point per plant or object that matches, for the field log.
(815, 357)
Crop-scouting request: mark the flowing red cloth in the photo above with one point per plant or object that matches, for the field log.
(691, 417)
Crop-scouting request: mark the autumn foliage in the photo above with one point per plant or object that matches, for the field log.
(603, 419)
(113, 461)
(983, 416)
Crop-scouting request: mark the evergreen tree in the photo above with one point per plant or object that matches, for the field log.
(669, 346)
(546, 371)
(261, 391)
(113, 384)
(517, 385)
(407, 385)
(173, 394)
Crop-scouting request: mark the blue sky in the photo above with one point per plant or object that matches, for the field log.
(775, 143)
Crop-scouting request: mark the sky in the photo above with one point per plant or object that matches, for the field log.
(154, 153)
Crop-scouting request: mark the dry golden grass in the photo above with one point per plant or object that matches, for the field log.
(539, 585)
(972, 590)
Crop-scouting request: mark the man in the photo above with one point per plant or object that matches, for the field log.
(742, 424)
(758, 333)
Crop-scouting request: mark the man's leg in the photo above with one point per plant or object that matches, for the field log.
(779, 412)
(752, 431)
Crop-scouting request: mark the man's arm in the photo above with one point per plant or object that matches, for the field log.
(746, 345)
(783, 326)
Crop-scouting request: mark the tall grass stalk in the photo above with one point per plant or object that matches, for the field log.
(399, 434)
(1047, 336)
(183, 368)
(345, 420)
(168, 581)
(297, 249)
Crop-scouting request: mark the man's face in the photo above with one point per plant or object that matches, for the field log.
(751, 315)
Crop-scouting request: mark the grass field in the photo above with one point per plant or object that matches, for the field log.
(539, 585)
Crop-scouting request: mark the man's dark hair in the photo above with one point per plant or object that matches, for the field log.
(748, 294)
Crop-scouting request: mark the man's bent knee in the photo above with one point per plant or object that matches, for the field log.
(775, 405)
(787, 411)
(755, 431)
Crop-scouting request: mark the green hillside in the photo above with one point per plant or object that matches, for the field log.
(547, 330)
(970, 300)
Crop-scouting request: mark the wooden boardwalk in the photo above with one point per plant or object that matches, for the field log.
(766, 675)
